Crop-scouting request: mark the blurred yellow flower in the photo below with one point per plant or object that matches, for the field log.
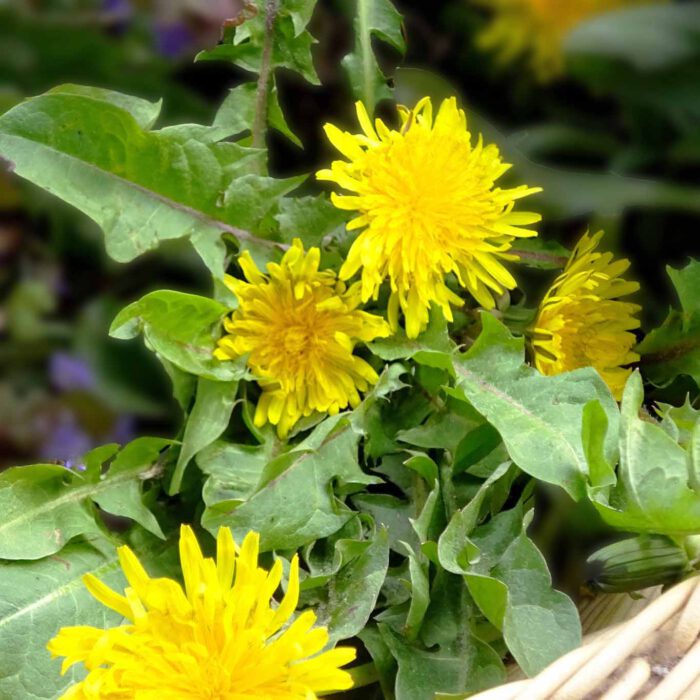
(428, 204)
(535, 29)
(581, 321)
(299, 327)
(219, 638)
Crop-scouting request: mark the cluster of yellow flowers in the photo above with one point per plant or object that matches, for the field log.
(428, 207)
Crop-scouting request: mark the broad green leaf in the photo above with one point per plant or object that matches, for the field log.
(378, 18)
(351, 594)
(139, 186)
(511, 584)
(655, 476)
(145, 113)
(37, 598)
(209, 418)
(539, 418)
(309, 218)
(295, 503)
(44, 506)
(182, 328)
(674, 348)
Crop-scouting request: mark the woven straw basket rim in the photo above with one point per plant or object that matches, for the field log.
(655, 656)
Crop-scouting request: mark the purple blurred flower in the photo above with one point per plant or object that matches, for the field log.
(123, 430)
(66, 441)
(173, 39)
(70, 373)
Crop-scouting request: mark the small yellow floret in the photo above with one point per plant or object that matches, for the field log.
(581, 321)
(428, 204)
(299, 327)
(219, 638)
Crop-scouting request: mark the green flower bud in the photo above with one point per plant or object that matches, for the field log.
(637, 563)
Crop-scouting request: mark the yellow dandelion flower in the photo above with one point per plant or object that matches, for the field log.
(219, 638)
(428, 205)
(299, 327)
(582, 322)
(536, 29)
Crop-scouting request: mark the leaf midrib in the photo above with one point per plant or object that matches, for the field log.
(74, 495)
(205, 219)
(546, 427)
(62, 590)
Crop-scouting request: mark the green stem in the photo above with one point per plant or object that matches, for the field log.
(262, 94)
(366, 51)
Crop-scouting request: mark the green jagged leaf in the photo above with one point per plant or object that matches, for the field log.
(646, 38)
(511, 585)
(444, 429)
(419, 582)
(183, 329)
(291, 49)
(139, 186)
(209, 418)
(237, 112)
(234, 471)
(351, 594)
(295, 503)
(539, 418)
(465, 664)
(394, 514)
(373, 18)
(382, 658)
(456, 551)
(656, 489)
(45, 505)
(432, 348)
(37, 598)
(674, 348)
(679, 421)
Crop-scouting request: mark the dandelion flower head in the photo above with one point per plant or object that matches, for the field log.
(582, 322)
(428, 206)
(218, 638)
(299, 327)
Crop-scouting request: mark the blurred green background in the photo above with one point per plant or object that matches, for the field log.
(597, 101)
